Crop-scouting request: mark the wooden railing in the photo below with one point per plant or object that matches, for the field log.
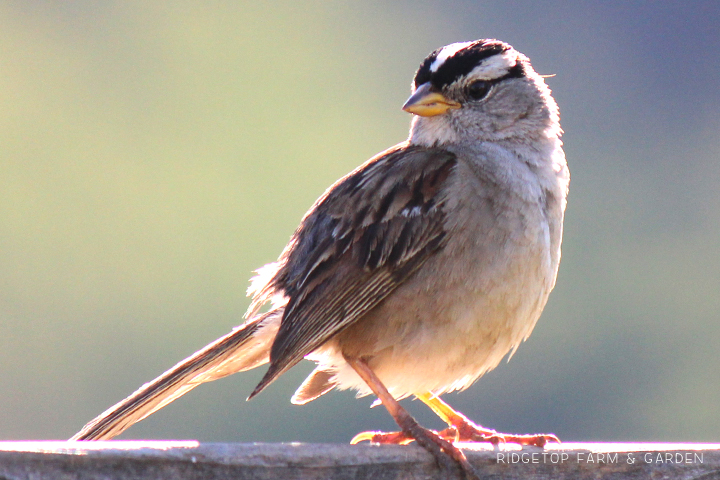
(123, 460)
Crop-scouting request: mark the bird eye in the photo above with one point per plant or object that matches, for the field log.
(478, 90)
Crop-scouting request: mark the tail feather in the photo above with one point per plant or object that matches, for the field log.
(242, 349)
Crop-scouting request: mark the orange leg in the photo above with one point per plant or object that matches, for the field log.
(461, 429)
(468, 431)
(439, 447)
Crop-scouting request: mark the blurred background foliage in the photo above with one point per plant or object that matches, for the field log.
(152, 154)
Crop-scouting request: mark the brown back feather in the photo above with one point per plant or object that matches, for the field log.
(359, 242)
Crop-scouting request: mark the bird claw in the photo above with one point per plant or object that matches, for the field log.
(382, 438)
(443, 451)
(470, 432)
(536, 439)
(462, 433)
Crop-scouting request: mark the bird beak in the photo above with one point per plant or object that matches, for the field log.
(425, 103)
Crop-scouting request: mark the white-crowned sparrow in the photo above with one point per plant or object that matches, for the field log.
(420, 270)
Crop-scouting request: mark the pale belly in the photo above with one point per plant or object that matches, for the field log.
(440, 334)
(467, 306)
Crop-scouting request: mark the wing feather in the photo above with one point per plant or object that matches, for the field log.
(361, 240)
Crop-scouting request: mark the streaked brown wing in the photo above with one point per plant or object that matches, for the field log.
(359, 242)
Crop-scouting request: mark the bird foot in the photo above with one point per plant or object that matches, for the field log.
(399, 438)
(440, 446)
(383, 438)
(468, 431)
(465, 432)
(462, 429)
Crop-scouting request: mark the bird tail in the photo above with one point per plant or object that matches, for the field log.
(246, 347)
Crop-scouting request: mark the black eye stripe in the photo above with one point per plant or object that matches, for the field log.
(518, 71)
(480, 88)
(462, 63)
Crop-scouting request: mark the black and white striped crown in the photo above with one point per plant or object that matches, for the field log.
(453, 62)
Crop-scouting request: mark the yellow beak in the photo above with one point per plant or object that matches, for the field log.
(425, 103)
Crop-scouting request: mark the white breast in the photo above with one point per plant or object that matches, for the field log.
(476, 300)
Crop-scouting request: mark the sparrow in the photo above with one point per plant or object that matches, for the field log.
(417, 272)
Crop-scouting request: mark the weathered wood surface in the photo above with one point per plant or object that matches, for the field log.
(124, 460)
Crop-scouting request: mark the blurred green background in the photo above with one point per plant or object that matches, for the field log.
(152, 154)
